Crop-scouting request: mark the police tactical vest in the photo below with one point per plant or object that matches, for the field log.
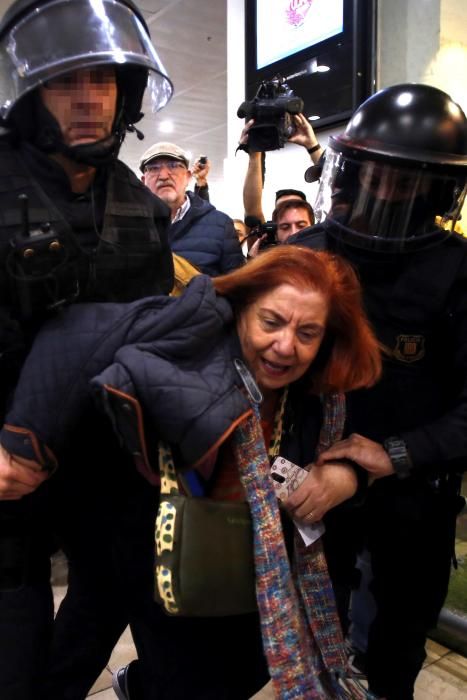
(45, 265)
(411, 304)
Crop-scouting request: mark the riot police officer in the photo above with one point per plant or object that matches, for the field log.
(391, 191)
(75, 225)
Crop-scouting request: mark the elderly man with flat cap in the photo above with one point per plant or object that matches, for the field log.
(198, 232)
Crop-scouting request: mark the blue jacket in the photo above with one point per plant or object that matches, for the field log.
(169, 359)
(206, 237)
(160, 368)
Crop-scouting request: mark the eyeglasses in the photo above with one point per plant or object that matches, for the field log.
(172, 165)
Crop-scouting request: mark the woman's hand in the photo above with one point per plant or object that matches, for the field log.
(325, 487)
(18, 477)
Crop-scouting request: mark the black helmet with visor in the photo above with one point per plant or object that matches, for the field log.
(42, 40)
(395, 180)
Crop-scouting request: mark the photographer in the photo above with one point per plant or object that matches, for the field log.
(304, 135)
(288, 218)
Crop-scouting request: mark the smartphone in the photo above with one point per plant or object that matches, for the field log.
(202, 160)
(287, 477)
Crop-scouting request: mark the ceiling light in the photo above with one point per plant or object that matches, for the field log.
(322, 69)
(314, 117)
(166, 126)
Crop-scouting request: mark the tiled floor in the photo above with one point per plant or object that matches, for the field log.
(443, 678)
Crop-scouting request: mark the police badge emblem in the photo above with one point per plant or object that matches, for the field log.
(409, 348)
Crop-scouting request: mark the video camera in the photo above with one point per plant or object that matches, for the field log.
(272, 108)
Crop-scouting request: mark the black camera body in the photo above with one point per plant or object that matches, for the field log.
(272, 108)
(268, 228)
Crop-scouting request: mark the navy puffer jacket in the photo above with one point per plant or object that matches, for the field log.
(158, 364)
(206, 237)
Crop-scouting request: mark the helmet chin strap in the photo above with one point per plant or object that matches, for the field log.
(96, 154)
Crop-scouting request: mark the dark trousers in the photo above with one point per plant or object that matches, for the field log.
(411, 531)
(340, 540)
(88, 625)
(26, 604)
(109, 543)
(198, 658)
(218, 658)
(100, 529)
(26, 617)
(43, 660)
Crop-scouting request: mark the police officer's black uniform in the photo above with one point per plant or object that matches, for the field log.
(414, 282)
(58, 247)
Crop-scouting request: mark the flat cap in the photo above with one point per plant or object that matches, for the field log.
(163, 149)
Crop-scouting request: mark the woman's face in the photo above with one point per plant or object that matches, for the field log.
(280, 334)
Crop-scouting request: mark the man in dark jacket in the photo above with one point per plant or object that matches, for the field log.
(199, 232)
(75, 225)
(393, 186)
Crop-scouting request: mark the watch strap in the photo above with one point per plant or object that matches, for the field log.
(399, 456)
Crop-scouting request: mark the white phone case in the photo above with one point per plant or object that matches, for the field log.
(286, 477)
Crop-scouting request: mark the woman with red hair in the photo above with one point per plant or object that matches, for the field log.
(238, 372)
(350, 356)
(302, 333)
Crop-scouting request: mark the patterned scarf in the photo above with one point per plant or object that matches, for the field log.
(302, 638)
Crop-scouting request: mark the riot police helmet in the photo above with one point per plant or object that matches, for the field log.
(396, 179)
(46, 39)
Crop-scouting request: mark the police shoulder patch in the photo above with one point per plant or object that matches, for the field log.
(409, 348)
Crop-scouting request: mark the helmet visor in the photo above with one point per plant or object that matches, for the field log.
(378, 206)
(83, 33)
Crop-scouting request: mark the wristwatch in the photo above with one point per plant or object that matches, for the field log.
(399, 456)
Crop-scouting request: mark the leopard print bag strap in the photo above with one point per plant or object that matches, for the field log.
(165, 527)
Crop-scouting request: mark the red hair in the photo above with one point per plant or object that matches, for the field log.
(350, 356)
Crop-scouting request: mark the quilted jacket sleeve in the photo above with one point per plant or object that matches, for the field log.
(192, 405)
(53, 387)
(134, 347)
